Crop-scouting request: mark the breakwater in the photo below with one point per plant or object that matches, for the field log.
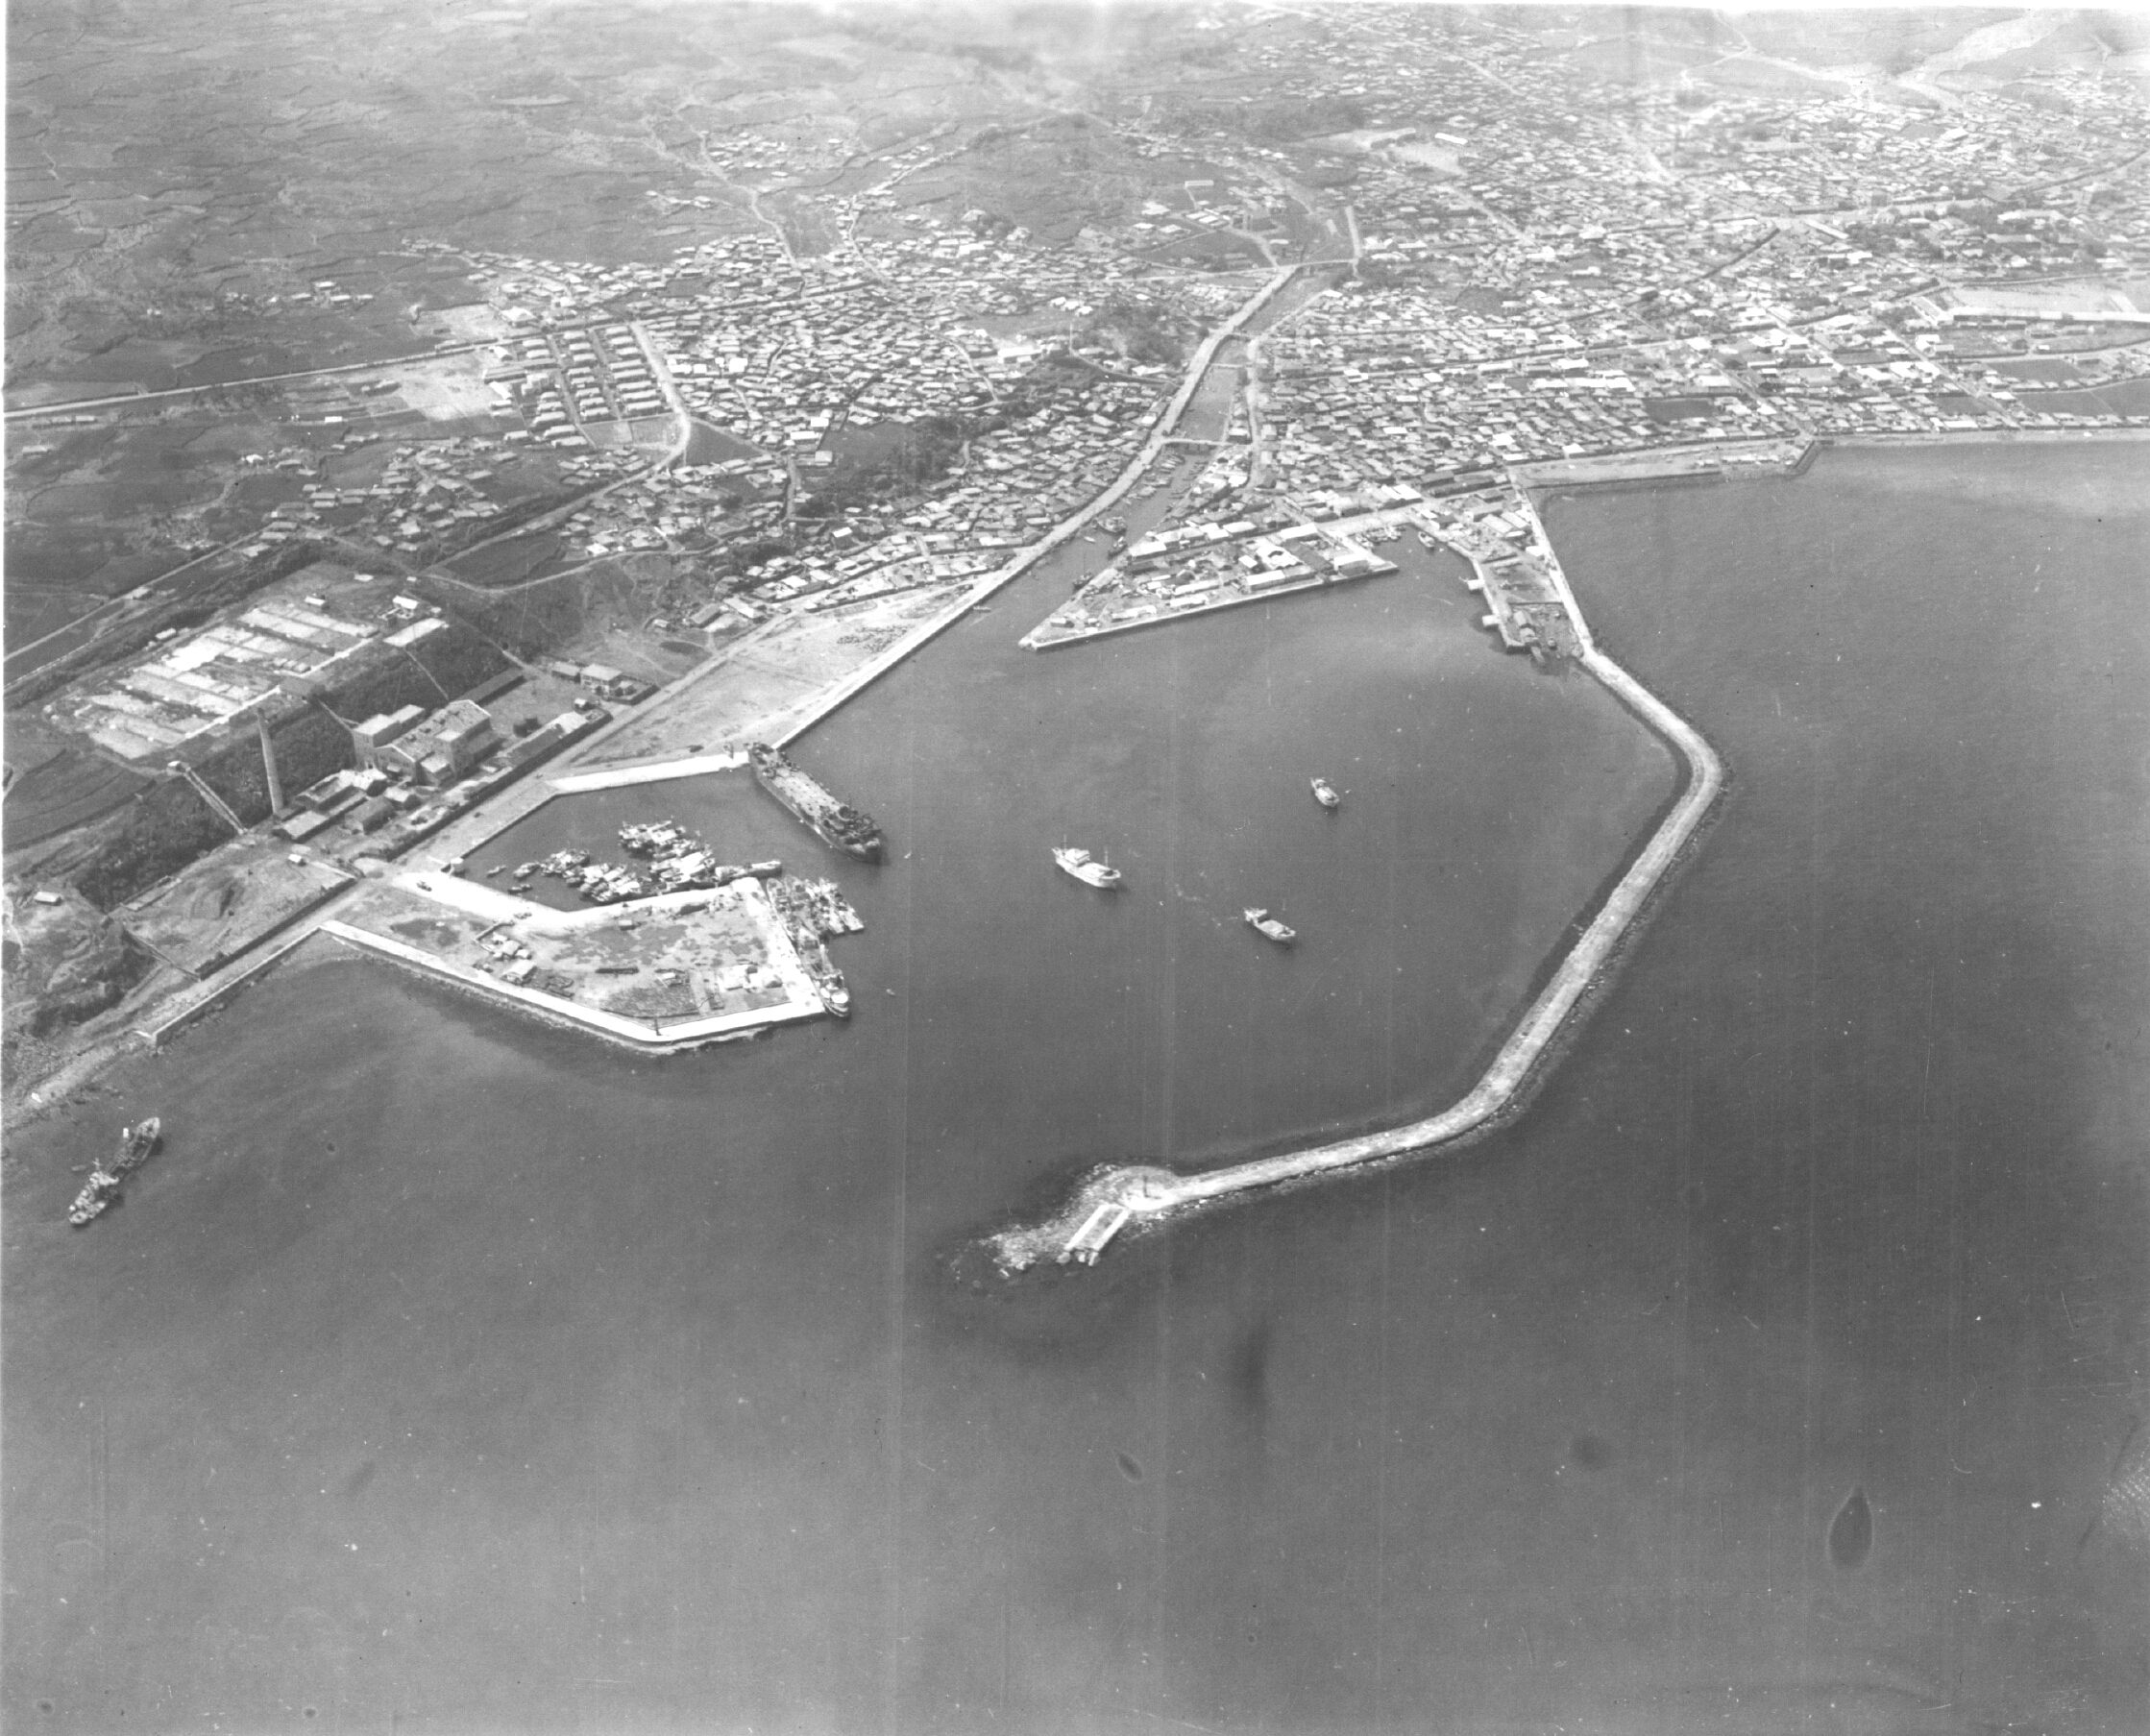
(1112, 1199)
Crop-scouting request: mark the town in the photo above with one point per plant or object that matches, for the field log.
(407, 586)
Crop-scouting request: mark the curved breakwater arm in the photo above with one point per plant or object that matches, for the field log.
(1511, 1067)
(1111, 1199)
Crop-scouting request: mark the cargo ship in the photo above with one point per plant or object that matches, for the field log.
(1091, 872)
(837, 824)
(1269, 928)
(135, 1144)
(1325, 793)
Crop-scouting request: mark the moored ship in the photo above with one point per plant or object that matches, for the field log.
(135, 1144)
(836, 823)
(1269, 928)
(1087, 869)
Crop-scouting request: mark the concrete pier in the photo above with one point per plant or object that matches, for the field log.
(576, 783)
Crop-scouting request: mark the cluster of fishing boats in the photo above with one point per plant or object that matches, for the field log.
(817, 906)
(670, 860)
(135, 1144)
(665, 857)
(1080, 865)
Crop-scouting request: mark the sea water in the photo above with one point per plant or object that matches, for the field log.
(454, 1373)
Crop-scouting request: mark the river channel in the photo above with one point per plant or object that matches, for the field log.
(452, 1373)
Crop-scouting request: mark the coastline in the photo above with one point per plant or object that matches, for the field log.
(150, 1019)
(168, 1010)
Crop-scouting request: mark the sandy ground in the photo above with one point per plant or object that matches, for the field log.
(230, 899)
(771, 671)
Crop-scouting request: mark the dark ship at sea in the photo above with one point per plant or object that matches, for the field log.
(102, 1189)
(836, 823)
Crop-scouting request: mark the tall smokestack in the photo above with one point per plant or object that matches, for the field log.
(269, 765)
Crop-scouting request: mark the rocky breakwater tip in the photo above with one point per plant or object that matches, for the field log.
(1099, 1207)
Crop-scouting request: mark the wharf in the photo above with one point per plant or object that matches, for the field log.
(1056, 630)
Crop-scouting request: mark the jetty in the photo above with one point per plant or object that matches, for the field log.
(1109, 1200)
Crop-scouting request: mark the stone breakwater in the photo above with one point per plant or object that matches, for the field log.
(1111, 1199)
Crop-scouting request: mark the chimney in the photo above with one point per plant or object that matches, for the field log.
(269, 765)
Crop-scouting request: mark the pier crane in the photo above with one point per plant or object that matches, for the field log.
(217, 803)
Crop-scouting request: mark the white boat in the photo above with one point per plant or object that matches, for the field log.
(1269, 928)
(1326, 795)
(98, 1192)
(1089, 872)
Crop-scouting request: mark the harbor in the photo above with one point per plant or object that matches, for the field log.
(382, 1189)
(1111, 1199)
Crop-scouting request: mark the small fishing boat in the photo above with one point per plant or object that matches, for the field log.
(1084, 868)
(1269, 928)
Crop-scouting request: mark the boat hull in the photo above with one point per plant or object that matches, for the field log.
(836, 823)
(1077, 865)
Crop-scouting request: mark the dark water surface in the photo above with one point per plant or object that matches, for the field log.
(453, 1374)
